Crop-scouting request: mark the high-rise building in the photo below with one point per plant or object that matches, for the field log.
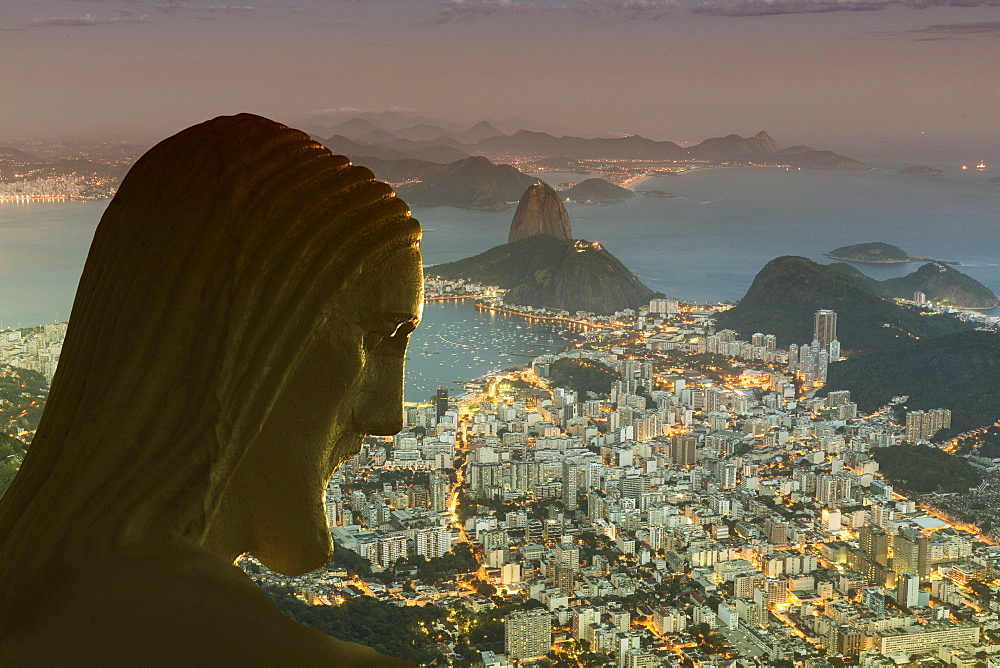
(683, 449)
(584, 616)
(433, 541)
(527, 633)
(922, 425)
(908, 590)
(873, 599)
(441, 401)
(874, 543)
(571, 483)
(439, 488)
(567, 565)
(910, 553)
(391, 548)
(824, 328)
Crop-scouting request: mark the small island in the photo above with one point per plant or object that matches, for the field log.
(597, 191)
(657, 193)
(921, 170)
(876, 252)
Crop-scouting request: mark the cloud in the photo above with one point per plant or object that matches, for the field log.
(959, 30)
(462, 11)
(87, 20)
(779, 7)
(645, 6)
(173, 6)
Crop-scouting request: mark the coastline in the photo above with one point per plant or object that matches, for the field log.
(848, 259)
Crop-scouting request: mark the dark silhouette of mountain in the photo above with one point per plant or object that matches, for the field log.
(540, 211)
(597, 191)
(921, 170)
(943, 285)
(789, 290)
(9, 153)
(795, 150)
(940, 283)
(359, 150)
(541, 143)
(478, 132)
(821, 160)
(377, 136)
(733, 146)
(421, 132)
(356, 128)
(472, 183)
(542, 266)
(877, 252)
(443, 151)
(959, 371)
(399, 149)
(543, 271)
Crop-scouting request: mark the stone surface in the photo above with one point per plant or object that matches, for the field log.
(540, 211)
(240, 325)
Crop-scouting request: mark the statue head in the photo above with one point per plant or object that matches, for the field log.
(240, 325)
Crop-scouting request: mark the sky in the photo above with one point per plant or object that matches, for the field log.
(819, 72)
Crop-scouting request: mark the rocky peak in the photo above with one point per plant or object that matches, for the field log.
(540, 211)
(764, 143)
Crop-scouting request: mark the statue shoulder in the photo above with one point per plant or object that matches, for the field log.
(172, 605)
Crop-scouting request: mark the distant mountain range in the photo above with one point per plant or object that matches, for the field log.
(731, 148)
(542, 266)
(377, 140)
(789, 290)
(11, 154)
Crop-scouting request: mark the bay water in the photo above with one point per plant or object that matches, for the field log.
(704, 245)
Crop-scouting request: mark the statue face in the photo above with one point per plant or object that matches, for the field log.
(348, 383)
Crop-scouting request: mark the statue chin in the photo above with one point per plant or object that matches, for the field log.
(240, 325)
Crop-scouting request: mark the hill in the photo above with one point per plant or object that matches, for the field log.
(539, 211)
(471, 183)
(959, 371)
(943, 285)
(821, 160)
(397, 149)
(876, 252)
(583, 376)
(597, 191)
(923, 469)
(633, 147)
(543, 271)
(734, 147)
(787, 292)
(16, 155)
(731, 148)
(921, 170)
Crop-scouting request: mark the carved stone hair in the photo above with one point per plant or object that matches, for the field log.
(224, 250)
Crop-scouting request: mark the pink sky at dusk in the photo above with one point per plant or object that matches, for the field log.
(807, 71)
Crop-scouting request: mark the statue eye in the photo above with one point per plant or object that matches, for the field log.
(397, 336)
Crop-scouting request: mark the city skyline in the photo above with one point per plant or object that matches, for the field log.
(817, 71)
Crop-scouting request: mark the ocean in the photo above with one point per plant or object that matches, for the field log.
(704, 245)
